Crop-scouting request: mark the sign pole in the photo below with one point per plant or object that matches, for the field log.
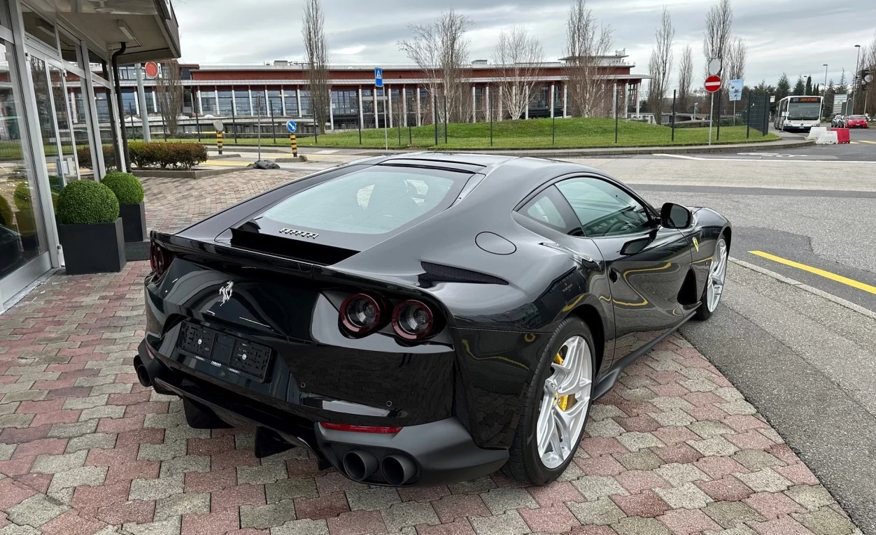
(294, 143)
(674, 92)
(219, 142)
(385, 123)
(711, 116)
(259, 121)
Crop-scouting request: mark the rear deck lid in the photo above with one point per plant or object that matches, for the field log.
(338, 218)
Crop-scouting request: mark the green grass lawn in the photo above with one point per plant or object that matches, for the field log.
(534, 133)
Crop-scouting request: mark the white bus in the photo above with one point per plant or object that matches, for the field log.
(798, 113)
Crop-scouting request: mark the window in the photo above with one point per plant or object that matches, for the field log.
(241, 102)
(291, 101)
(544, 210)
(373, 201)
(603, 208)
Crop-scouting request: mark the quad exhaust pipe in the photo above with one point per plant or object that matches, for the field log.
(142, 373)
(398, 469)
(359, 465)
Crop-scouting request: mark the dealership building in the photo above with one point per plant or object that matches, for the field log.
(279, 90)
(55, 76)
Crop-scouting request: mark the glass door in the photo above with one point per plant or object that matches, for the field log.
(22, 233)
(54, 120)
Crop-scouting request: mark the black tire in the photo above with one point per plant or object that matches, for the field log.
(201, 417)
(524, 463)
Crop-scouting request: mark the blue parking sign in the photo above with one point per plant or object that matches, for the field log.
(291, 126)
(378, 77)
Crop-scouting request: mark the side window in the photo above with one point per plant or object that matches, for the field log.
(548, 208)
(604, 209)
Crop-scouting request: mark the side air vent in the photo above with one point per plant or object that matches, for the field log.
(435, 273)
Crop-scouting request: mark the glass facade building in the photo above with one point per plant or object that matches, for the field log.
(56, 100)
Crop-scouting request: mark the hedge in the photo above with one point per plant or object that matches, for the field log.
(125, 186)
(84, 156)
(84, 202)
(164, 155)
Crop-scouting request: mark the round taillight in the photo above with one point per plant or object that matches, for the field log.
(413, 320)
(361, 314)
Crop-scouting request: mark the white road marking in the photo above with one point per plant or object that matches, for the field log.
(682, 157)
(327, 151)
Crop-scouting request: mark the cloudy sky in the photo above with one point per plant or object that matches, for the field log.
(793, 36)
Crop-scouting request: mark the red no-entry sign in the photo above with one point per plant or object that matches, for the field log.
(151, 69)
(713, 84)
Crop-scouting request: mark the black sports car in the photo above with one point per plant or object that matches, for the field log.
(424, 319)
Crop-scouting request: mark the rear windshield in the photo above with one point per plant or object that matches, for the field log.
(856, 117)
(376, 200)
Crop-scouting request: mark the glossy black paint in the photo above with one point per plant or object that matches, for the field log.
(630, 289)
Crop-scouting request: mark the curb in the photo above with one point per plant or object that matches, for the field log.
(755, 146)
(805, 287)
(626, 151)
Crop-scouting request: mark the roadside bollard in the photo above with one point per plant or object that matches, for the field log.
(219, 141)
(294, 144)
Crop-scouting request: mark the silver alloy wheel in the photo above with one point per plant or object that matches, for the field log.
(717, 275)
(564, 405)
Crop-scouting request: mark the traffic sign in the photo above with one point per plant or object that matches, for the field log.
(291, 126)
(151, 69)
(713, 84)
(219, 126)
(714, 66)
(378, 77)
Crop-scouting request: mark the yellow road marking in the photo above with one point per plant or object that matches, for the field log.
(870, 142)
(820, 272)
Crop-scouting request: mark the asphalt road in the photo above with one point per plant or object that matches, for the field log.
(861, 149)
(804, 356)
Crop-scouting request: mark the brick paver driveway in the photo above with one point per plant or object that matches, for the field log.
(674, 448)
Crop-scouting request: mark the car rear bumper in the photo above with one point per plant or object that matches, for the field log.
(435, 453)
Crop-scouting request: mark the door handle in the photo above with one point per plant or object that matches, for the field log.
(612, 274)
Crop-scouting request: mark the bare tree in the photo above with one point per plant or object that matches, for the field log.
(660, 64)
(518, 56)
(316, 52)
(587, 43)
(169, 93)
(737, 53)
(440, 49)
(719, 22)
(685, 78)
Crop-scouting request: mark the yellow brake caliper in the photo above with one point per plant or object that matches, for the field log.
(563, 401)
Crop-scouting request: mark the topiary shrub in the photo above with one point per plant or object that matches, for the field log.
(84, 202)
(5, 213)
(127, 188)
(21, 197)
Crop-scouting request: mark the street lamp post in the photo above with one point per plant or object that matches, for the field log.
(825, 77)
(850, 109)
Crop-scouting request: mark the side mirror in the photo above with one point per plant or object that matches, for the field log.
(675, 216)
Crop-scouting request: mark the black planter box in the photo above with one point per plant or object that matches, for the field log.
(95, 248)
(134, 221)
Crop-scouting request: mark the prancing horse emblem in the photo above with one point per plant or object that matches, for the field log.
(225, 292)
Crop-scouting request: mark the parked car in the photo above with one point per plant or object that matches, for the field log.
(855, 121)
(10, 249)
(837, 121)
(424, 319)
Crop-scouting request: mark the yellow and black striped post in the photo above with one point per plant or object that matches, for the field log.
(294, 143)
(219, 141)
